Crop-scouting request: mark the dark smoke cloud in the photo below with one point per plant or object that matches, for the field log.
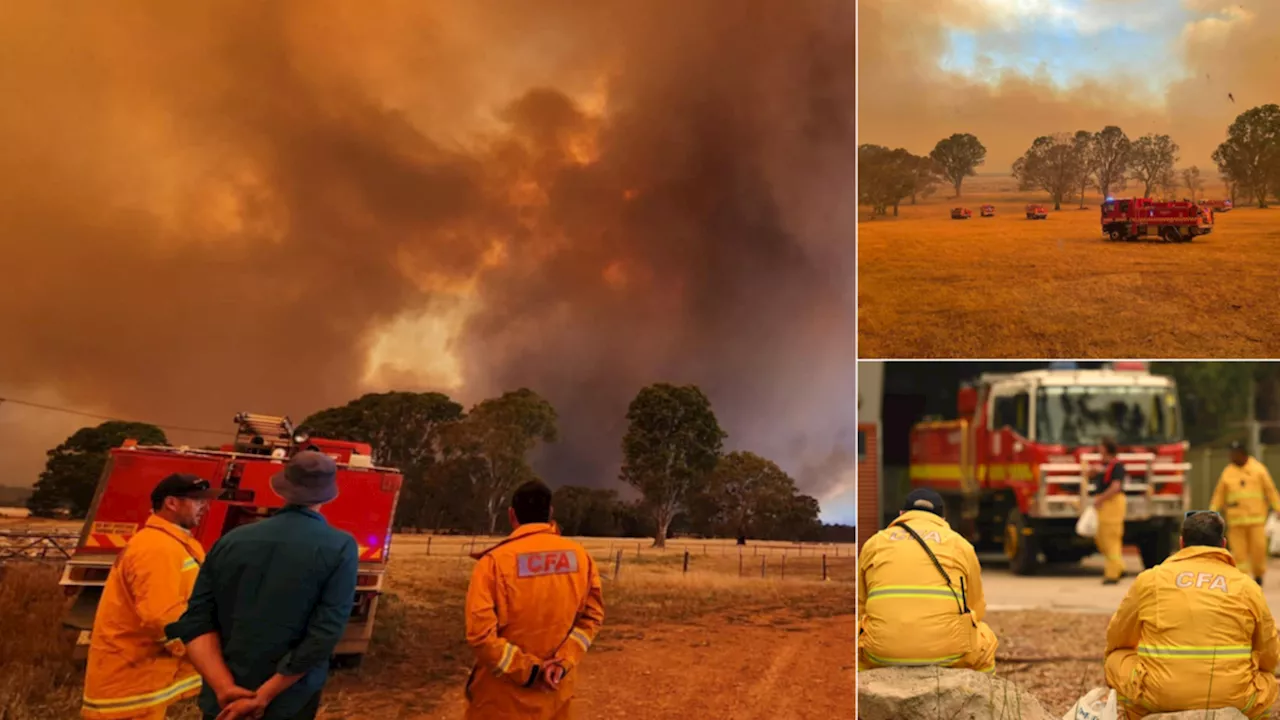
(907, 100)
(213, 207)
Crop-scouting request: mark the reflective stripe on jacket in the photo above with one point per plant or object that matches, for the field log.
(133, 668)
(908, 614)
(1246, 493)
(1201, 627)
(534, 596)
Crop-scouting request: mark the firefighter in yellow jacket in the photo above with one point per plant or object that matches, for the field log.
(534, 607)
(1246, 491)
(1108, 499)
(134, 671)
(920, 598)
(1194, 632)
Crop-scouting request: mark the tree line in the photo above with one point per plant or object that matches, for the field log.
(461, 465)
(1067, 166)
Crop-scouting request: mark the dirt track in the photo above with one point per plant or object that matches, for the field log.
(730, 668)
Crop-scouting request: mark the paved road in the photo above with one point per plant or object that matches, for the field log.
(1077, 589)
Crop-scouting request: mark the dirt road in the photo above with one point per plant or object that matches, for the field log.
(730, 668)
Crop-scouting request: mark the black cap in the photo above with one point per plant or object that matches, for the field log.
(924, 499)
(1236, 445)
(182, 485)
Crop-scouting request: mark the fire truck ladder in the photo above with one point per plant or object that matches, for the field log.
(265, 432)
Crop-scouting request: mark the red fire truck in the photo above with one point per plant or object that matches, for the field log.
(364, 507)
(1134, 218)
(1036, 211)
(988, 211)
(1217, 206)
(961, 213)
(1015, 467)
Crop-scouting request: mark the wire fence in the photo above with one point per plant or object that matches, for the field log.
(37, 545)
(780, 561)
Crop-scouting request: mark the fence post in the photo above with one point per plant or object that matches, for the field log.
(686, 561)
(428, 544)
(617, 565)
(784, 565)
(473, 543)
(637, 549)
(755, 550)
(824, 566)
(763, 560)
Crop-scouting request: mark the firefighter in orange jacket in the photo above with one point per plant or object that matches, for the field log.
(1194, 633)
(1247, 492)
(1108, 499)
(134, 671)
(534, 607)
(920, 595)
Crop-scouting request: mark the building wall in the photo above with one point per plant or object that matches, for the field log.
(868, 480)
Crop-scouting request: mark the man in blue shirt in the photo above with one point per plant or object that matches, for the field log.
(271, 602)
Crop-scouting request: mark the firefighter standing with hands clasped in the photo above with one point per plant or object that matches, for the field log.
(1246, 491)
(534, 607)
(1108, 499)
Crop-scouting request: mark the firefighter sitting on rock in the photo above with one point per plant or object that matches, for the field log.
(1193, 633)
(920, 594)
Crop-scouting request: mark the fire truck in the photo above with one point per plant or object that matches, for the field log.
(988, 211)
(1134, 218)
(1015, 467)
(364, 507)
(961, 213)
(1037, 212)
(1217, 206)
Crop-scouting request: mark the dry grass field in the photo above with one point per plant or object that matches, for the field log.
(709, 643)
(1008, 287)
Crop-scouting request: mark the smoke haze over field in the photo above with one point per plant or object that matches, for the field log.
(214, 207)
(1009, 71)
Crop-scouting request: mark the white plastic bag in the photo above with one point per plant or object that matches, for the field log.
(1087, 525)
(1273, 534)
(1098, 704)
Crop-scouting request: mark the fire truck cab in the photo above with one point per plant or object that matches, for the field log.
(1016, 467)
(988, 211)
(364, 507)
(1134, 218)
(961, 213)
(1036, 211)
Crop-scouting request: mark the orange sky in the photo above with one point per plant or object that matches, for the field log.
(216, 207)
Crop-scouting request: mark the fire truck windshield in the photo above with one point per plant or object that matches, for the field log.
(1082, 415)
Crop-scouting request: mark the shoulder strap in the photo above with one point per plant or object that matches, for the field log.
(961, 601)
(505, 541)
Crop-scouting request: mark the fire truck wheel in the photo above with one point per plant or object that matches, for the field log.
(1156, 548)
(1019, 546)
(1114, 235)
(1170, 234)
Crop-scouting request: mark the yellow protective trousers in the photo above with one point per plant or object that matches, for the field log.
(1248, 545)
(982, 658)
(1110, 542)
(1125, 674)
